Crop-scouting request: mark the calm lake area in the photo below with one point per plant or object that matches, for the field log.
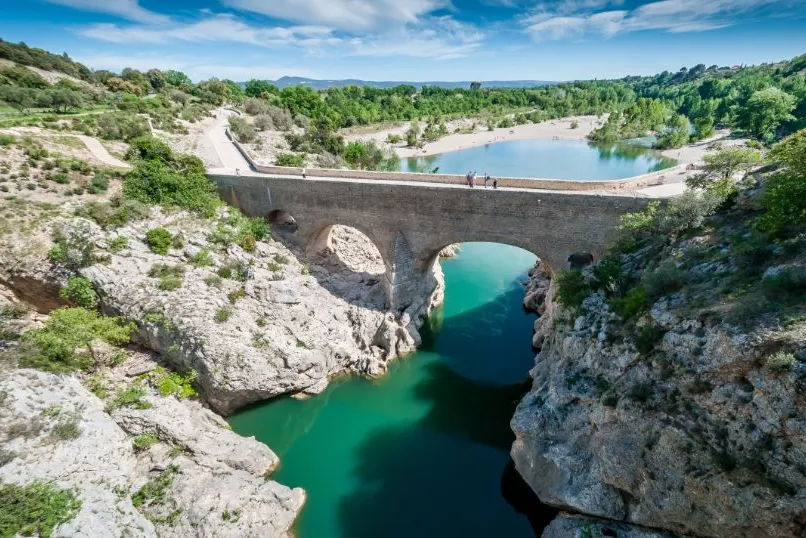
(422, 451)
(546, 159)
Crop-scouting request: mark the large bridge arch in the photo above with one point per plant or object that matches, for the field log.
(410, 223)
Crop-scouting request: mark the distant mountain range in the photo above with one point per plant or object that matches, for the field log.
(324, 84)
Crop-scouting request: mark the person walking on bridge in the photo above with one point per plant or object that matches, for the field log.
(473, 179)
(495, 183)
(468, 176)
(486, 179)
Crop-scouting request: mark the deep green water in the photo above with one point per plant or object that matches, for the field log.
(421, 451)
(546, 159)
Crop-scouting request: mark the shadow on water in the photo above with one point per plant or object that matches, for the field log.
(439, 476)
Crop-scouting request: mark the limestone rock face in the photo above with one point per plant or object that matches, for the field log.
(274, 326)
(217, 484)
(573, 526)
(698, 438)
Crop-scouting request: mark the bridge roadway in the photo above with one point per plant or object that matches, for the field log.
(410, 222)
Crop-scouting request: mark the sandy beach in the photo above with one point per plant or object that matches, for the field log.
(559, 129)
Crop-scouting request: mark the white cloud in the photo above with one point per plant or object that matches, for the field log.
(439, 38)
(578, 18)
(127, 9)
(196, 68)
(348, 15)
(224, 28)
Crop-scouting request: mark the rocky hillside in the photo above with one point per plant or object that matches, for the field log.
(670, 385)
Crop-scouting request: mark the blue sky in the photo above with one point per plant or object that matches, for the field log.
(410, 39)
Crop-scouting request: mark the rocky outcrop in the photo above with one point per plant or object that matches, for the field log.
(213, 481)
(271, 326)
(572, 526)
(690, 435)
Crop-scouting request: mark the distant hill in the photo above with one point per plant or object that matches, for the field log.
(324, 84)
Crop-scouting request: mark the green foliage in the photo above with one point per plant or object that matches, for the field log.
(65, 430)
(572, 288)
(667, 278)
(248, 243)
(159, 240)
(367, 155)
(233, 296)
(784, 197)
(80, 292)
(646, 337)
(35, 509)
(131, 396)
(118, 244)
(203, 258)
(786, 286)
(223, 314)
(780, 361)
(173, 384)
(170, 276)
(724, 164)
(242, 129)
(155, 490)
(290, 159)
(162, 177)
(116, 213)
(7, 140)
(73, 249)
(144, 441)
(234, 270)
(640, 392)
(676, 134)
(633, 303)
(64, 343)
(766, 110)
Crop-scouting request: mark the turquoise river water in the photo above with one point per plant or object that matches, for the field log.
(422, 451)
(546, 159)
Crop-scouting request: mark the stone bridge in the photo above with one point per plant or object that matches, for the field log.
(410, 223)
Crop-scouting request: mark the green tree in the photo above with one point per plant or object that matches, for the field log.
(257, 88)
(766, 110)
(784, 197)
(676, 134)
(725, 164)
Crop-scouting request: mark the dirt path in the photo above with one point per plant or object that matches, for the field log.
(99, 152)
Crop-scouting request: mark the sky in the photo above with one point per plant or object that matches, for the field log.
(410, 40)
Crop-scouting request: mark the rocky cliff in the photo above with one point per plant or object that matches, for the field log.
(271, 325)
(675, 403)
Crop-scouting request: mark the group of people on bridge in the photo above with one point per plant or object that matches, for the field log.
(471, 179)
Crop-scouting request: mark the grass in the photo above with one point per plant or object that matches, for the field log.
(131, 396)
(173, 384)
(223, 314)
(144, 441)
(69, 141)
(155, 491)
(65, 430)
(35, 509)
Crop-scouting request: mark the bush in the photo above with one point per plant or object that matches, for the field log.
(170, 276)
(255, 107)
(80, 292)
(35, 509)
(114, 214)
(99, 183)
(233, 296)
(154, 491)
(73, 249)
(784, 197)
(7, 140)
(132, 396)
(780, 362)
(640, 392)
(223, 314)
(665, 279)
(289, 159)
(203, 258)
(159, 240)
(572, 288)
(144, 441)
(636, 301)
(118, 243)
(242, 130)
(162, 177)
(646, 338)
(63, 344)
(786, 286)
(173, 384)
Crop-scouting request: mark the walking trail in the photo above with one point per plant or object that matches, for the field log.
(100, 152)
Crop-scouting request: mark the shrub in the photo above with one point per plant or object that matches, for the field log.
(80, 292)
(170, 276)
(636, 301)
(7, 140)
(99, 183)
(144, 441)
(154, 491)
(780, 362)
(255, 107)
(223, 314)
(572, 288)
(665, 279)
(242, 129)
(162, 177)
(235, 271)
(118, 243)
(646, 337)
(173, 384)
(233, 296)
(264, 123)
(159, 240)
(289, 159)
(64, 342)
(62, 178)
(114, 214)
(73, 249)
(213, 281)
(575, 124)
(248, 243)
(132, 396)
(640, 392)
(786, 286)
(170, 283)
(35, 509)
(65, 430)
(203, 258)
(784, 197)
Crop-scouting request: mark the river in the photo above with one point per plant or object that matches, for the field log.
(546, 159)
(421, 451)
